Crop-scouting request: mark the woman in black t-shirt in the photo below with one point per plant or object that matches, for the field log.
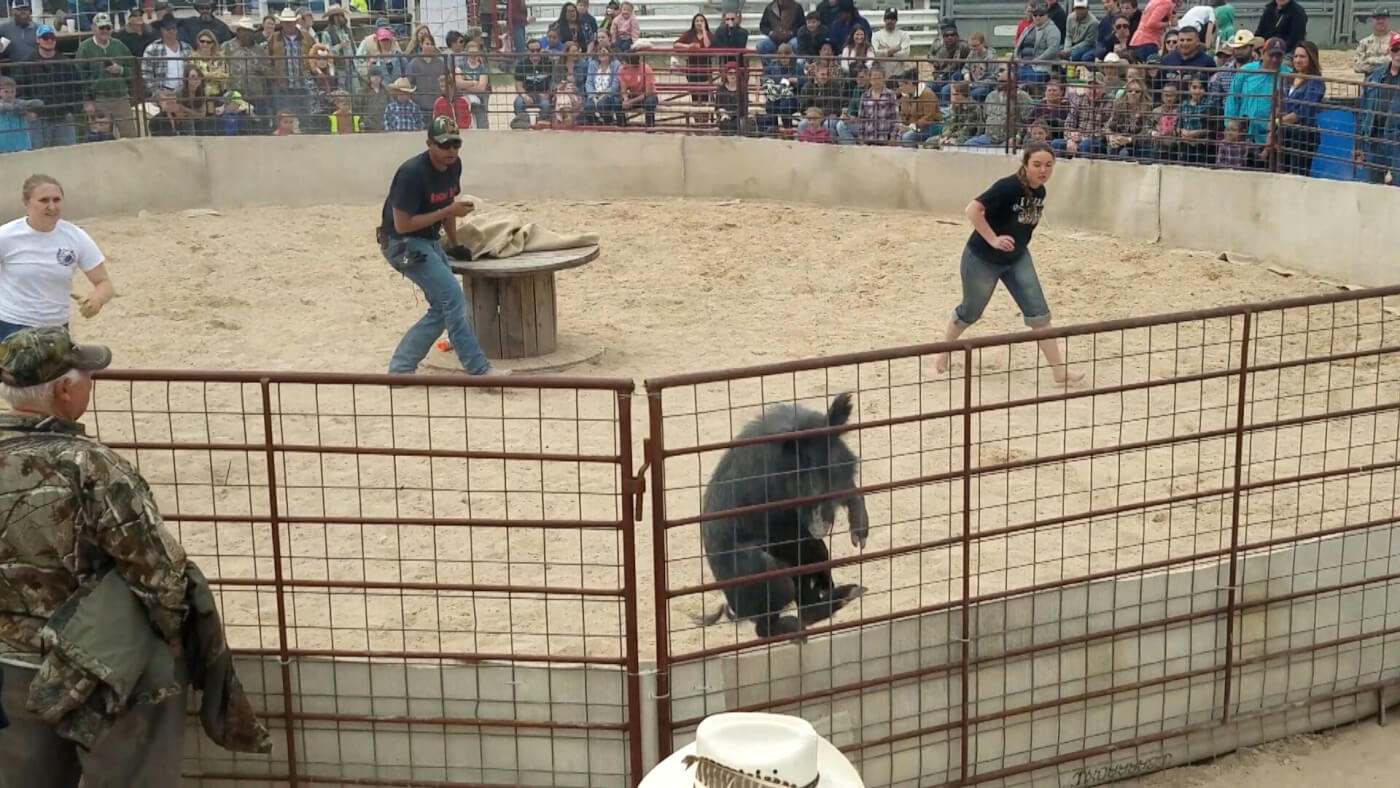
(1003, 219)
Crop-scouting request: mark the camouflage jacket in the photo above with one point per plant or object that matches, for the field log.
(1372, 52)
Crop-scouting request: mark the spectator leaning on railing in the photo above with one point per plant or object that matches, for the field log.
(1379, 121)
(1252, 91)
(1373, 51)
(106, 65)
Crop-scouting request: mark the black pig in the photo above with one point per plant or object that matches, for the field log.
(747, 544)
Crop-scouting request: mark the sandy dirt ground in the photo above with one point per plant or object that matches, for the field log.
(1363, 755)
(718, 284)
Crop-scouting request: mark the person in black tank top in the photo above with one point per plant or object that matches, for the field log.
(1003, 219)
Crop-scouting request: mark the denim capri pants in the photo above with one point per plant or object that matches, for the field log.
(979, 281)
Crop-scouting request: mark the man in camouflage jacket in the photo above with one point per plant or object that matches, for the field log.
(73, 514)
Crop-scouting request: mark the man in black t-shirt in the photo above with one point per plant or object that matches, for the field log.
(422, 202)
(534, 76)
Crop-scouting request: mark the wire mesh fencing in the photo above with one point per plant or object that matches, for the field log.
(423, 584)
(1072, 584)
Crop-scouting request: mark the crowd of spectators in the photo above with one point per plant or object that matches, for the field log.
(1165, 82)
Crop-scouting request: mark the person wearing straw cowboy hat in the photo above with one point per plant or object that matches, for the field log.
(750, 750)
(402, 113)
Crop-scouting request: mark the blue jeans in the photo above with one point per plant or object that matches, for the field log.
(1084, 53)
(1028, 74)
(846, 133)
(1144, 51)
(541, 101)
(447, 308)
(767, 46)
(517, 38)
(912, 139)
(603, 110)
(52, 133)
(648, 106)
(981, 139)
(979, 281)
(1088, 146)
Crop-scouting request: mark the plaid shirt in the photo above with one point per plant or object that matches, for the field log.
(879, 114)
(296, 77)
(155, 62)
(1086, 115)
(403, 116)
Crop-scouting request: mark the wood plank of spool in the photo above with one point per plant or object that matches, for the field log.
(513, 300)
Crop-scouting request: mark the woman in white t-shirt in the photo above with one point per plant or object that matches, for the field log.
(38, 254)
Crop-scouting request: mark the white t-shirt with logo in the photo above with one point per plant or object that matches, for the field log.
(1198, 17)
(36, 271)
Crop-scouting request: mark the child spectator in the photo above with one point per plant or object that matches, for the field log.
(234, 116)
(813, 127)
(169, 121)
(402, 112)
(1192, 124)
(453, 106)
(567, 101)
(879, 111)
(638, 88)
(342, 119)
(1128, 120)
(964, 119)
(848, 126)
(1038, 132)
(1166, 121)
(286, 124)
(374, 100)
(625, 28)
(1233, 149)
(99, 127)
(919, 111)
(15, 117)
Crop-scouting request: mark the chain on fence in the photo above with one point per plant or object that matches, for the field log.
(428, 584)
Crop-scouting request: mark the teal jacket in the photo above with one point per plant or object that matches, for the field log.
(1251, 96)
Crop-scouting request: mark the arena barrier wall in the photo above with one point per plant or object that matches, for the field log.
(1137, 657)
(1197, 553)
(430, 585)
(1326, 228)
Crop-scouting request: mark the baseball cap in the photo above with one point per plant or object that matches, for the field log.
(20, 4)
(383, 34)
(34, 356)
(1275, 45)
(444, 130)
(1039, 9)
(1081, 3)
(1381, 12)
(1394, 39)
(44, 30)
(890, 13)
(101, 20)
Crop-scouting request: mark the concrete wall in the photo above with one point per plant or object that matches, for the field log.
(1268, 694)
(1327, 228)
(1324, 227)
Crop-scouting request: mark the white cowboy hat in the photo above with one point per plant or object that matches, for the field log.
(400, 85)
(758, 750)
(287, 15)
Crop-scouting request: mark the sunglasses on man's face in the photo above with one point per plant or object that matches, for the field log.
(1120, 27)
(449, 145)
(104, 27)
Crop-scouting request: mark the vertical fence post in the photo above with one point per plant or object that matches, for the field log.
(274, 522)
(1275, 131)
(1013, 88)
(660, 583)
(743, 94)
(1232, 592)
(628, 523)
(963, 728)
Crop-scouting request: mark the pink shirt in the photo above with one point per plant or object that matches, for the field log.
(631, 27)
(1153, 25)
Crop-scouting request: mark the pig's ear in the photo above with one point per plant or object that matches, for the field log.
(840, 410)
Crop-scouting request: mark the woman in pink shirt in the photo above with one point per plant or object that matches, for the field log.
(1148, 38)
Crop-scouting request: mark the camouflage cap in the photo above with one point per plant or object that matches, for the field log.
(34, 356)
(444, 130)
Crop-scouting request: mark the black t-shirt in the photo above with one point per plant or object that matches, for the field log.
(536, 77)
(1011, 210)
(419, 187)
